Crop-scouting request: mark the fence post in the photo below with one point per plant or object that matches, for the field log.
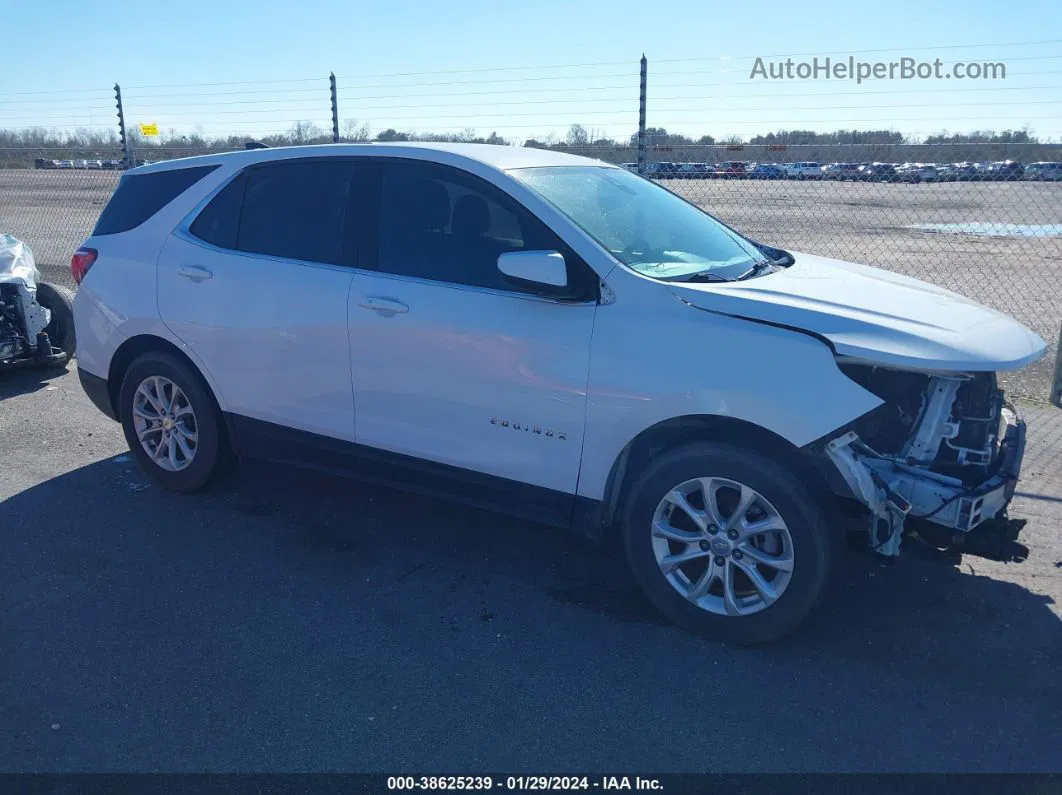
(335, 108)
(1056, 385)
(127, 150)
(641, 116)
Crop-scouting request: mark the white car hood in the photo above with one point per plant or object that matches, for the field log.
(875, 315)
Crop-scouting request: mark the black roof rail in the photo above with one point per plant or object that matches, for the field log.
(255, 145)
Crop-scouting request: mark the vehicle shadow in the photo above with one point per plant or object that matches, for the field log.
(26, 380)
(297, 541)
(873, 611)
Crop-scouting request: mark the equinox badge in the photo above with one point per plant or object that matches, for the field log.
(537, 430)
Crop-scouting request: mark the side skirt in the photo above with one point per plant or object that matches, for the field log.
(271, 442)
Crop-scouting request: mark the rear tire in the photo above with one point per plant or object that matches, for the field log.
(162, 398)
(60, 329)
(795, 537)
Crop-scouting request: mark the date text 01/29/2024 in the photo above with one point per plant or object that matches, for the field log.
(523, 783)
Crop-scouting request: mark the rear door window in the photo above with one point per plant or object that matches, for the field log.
(140, 196)
(296, 209)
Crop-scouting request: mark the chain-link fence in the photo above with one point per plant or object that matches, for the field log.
(982, 217)
(991, 230)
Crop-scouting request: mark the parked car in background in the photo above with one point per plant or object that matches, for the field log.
(112, 165)
(803, 170)
(1044, 172)
(841, 171)
(514, 328)
(916, 172)
(94, 164)
(766, 171)
(693, 171)
(1003, 171)
(65, 164)
(730, 169)
(877, 172)
(630, 166)
(662, 170)
(956, 172)
(41, 162)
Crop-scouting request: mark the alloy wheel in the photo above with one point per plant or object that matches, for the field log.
(723, 546)
(165, 423)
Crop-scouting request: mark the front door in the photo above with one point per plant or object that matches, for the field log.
(450, 362)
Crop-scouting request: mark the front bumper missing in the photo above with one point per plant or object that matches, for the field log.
(895, 492)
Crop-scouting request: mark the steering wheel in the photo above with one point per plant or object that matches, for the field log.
(641, 245)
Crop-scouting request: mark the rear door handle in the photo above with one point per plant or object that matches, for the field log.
(385, 306)
(195, 273)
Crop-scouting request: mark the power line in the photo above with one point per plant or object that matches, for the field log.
(484, 70)
(859, 52)
(234, 83)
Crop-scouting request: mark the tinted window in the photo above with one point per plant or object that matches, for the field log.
(441, 224)
(140, 196)
(219, 222)
(296, 209)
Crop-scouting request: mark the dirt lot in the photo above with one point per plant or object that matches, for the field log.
(1022, 276)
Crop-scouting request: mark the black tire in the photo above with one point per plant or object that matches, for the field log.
(60, 329)
(212, 452)
(812, 545)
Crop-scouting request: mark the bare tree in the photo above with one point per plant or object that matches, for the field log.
(304, 132)
(577, 135)
(354, 132)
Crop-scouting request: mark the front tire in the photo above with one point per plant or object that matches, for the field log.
(171, 422)
(727, 543)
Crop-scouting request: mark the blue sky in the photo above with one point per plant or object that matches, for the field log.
(523, 69)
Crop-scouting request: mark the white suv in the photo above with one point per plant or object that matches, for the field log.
(551, 337)
(805, 170)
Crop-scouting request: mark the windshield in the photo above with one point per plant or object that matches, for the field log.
(645, 227)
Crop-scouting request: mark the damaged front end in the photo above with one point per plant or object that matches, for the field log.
(939, 459)
(24, 318)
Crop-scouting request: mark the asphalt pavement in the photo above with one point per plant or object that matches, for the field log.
(288, 621)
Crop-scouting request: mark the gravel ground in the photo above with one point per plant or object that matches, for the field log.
(1022, 276)
(287, 621)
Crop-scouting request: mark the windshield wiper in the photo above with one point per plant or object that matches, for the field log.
(703, 276)
(756, 270)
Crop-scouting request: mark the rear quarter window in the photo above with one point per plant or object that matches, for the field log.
(219, 222)
(140, 196)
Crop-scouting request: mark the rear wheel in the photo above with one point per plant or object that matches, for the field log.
(727, 543)
(171, 422)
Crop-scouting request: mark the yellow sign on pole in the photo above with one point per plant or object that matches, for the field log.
(151, 129)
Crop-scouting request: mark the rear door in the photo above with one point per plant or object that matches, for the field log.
(256, 286)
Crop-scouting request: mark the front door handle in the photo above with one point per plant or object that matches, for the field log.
(385, 306)
(195, 273)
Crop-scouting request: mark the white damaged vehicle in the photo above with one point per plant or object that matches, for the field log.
(36, 318)
(554, 338)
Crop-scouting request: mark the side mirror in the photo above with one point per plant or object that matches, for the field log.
(537, 267)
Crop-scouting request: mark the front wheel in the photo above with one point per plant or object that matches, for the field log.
(171, 422)
(727, 543)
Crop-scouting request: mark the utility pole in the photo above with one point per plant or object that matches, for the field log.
(641, 116)
(127, 149)
(335, 108)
